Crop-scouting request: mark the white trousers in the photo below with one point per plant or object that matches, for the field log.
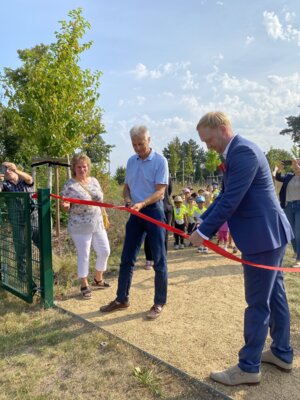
(83, 242)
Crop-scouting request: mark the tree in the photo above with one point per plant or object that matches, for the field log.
(53, 101)
(95, 147)
(275, 156)
(172, 154)
(120, 175)
(212, 161)
(293, 130)
(189, 166)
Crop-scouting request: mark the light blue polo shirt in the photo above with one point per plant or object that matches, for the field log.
(143, 175)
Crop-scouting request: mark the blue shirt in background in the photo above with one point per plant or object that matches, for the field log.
(142, 176)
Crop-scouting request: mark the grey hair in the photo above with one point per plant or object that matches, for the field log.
(139, 130)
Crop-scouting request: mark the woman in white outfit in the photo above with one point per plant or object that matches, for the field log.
(86, 225)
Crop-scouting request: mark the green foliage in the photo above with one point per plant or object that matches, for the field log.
(274, 156)
(212, 161)
(185, 159)
(295, 151)
(148, 379)
(293, 130)
(120, 175)
(172, 154)
(51, 101)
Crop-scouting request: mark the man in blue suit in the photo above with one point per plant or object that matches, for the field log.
(261, 231)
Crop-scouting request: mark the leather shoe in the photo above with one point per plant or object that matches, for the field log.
(236, 376)
(114, 306)
(155, 311)
(270, 358)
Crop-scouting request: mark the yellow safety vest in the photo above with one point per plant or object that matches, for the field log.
(179, 214)
(190, 213)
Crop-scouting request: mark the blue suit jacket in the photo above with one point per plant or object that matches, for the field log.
(248, 202)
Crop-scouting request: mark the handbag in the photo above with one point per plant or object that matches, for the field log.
(105, 220)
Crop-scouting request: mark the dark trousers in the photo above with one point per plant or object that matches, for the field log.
(177, 237)
(191, 227)
(136, 229)
(292, 211)
(147, 250)
(267, 308)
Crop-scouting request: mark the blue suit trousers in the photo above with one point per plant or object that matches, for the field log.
(136, 229)
(267, 308)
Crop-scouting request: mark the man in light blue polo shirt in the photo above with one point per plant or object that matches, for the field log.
(147, 177)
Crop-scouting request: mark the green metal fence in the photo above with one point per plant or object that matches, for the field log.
(25, 246)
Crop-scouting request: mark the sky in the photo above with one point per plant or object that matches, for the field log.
(165, 63)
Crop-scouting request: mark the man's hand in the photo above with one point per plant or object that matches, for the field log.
(128, 203)
(10, 165)
(196, 239)
(138, 206)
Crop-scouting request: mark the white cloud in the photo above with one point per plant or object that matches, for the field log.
(289, 16)
(168, 94)
(249, 40)
(189, 82)
(276, 30)
(138, 100)
(257, 110)
(141, 71)
(141, 100)
(220, 3)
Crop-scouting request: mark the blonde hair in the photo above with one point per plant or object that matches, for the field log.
(76, 159)
(213, 120)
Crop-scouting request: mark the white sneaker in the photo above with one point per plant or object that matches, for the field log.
(235, 376)
(205, 250)
(176, 247)
(181, 246)
(200, 250)
(297, 264)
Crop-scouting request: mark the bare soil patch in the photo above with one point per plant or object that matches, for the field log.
(201, 328)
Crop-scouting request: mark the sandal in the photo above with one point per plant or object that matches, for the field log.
(86, 292)
(101, 284)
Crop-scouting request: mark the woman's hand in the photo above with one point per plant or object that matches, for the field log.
(65, 206)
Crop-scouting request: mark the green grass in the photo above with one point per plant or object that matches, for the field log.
(48, 355)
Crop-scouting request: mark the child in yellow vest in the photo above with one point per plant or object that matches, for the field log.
(190, 211)
(200, 201)
(180, 221)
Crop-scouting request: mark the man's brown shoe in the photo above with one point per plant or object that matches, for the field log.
(154, 311)
(236, 376)
(114, 306)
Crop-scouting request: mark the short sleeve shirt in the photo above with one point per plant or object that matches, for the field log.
(82, 218)
(21, 186)
(142, 176)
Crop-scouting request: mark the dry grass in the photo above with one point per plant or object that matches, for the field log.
(49, 355)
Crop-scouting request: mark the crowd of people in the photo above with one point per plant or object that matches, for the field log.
(244, 207)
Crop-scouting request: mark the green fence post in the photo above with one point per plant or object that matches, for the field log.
(45, 247)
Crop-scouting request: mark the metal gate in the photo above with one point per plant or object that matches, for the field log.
(25, 246)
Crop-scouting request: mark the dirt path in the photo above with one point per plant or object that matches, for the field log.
(201, 328)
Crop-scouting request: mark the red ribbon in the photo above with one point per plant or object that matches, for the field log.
(206, 243)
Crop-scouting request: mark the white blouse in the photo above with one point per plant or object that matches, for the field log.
(84, 218)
